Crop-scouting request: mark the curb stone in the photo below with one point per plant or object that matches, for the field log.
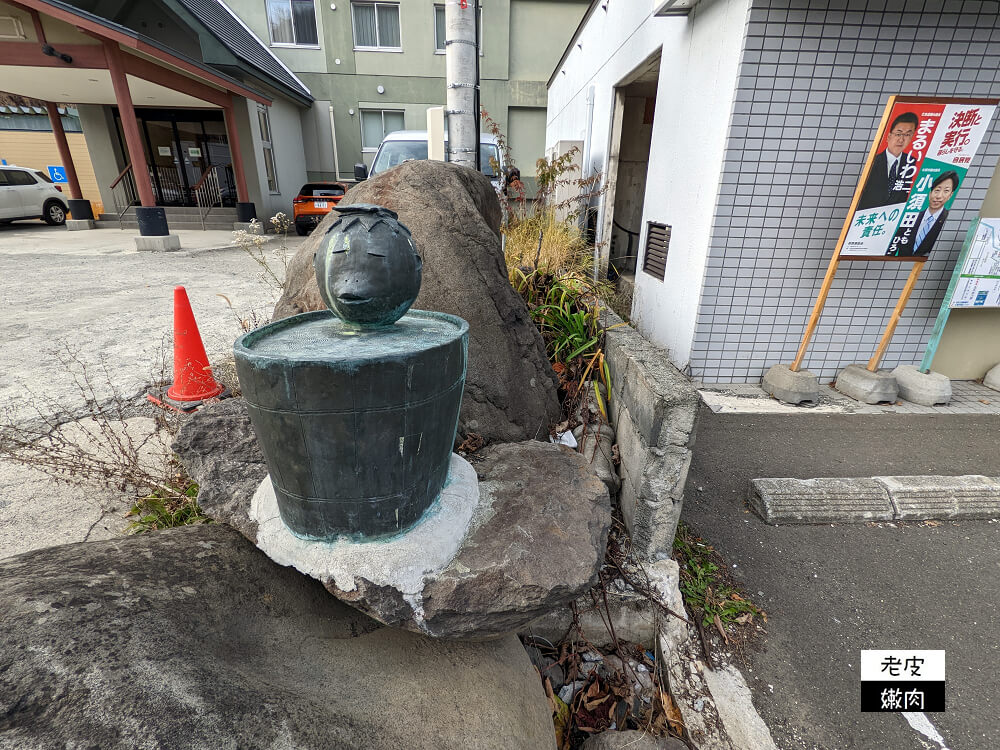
(862, 499)
(715, 705)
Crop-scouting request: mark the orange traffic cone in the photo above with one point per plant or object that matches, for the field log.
(193, 380)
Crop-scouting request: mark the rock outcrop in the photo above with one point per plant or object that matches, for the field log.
(517, 534)
(454, 215)
(219, 449)
(192, 638)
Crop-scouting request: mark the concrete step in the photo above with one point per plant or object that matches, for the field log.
(180, 213)
(171, 224)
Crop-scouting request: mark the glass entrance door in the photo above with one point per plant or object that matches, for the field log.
(180, 146)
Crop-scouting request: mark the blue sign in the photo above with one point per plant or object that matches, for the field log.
(57, 174)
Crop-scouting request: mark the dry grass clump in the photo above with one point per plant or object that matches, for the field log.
(542, 241)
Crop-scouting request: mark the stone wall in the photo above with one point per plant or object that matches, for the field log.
(653, 410)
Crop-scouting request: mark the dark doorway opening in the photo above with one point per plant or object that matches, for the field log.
(181, 146)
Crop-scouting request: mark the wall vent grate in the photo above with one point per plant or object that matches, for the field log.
(654, 260)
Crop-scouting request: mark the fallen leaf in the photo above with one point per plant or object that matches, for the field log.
(560, 717)
(932, 523)
(983, 401)
(718, 626)
(674, 718)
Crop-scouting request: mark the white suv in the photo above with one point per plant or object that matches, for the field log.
(29, 194)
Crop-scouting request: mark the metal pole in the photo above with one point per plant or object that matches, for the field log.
(479, 154)
(333, 137)
(461, 54)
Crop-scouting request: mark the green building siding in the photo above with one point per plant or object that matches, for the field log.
(522, 41)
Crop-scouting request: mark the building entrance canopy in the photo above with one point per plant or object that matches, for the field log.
(72, 53)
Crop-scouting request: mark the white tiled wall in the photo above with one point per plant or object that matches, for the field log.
(813, 82)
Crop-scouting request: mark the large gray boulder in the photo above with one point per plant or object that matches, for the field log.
(191, 638)
(481, 563)
(219, 449)
(533, 542)
(454, 215)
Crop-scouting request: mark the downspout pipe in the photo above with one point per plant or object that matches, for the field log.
(586, 171)
(333, 138)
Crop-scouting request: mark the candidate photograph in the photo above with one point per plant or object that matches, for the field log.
(893, 169)
(928, 225)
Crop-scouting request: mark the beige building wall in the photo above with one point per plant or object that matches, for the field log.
(37, 150)
(970, 344)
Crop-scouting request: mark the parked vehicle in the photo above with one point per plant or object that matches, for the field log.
(314, 201)
(405, 145)
(30, 194)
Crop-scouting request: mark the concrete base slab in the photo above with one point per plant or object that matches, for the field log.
(861, 384)
(823, 500)
(76, 225)
(792, 387)
(918, 498)
(924, 388)
(992, 379)
(401, 562)
(160, 243)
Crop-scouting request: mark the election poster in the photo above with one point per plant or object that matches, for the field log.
(921, 158)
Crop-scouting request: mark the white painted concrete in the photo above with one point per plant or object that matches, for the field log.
(697, 81)
(733, 700)
(402, 562)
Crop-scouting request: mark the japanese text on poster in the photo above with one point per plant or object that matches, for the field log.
(923, 157)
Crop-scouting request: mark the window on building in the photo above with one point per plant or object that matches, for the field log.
(439, 33)
(292, 22)
(376, 124)
(376, 26)
(264, 120)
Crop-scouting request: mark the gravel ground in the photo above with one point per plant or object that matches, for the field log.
(78, 296)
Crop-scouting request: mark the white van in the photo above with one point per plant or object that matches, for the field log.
(406, 145)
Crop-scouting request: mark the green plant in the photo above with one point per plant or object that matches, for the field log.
(570, 329)
(165, 509)
(706, 588)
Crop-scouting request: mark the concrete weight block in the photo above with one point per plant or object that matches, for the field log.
(791, 386)
(861, 384)
(924, 388)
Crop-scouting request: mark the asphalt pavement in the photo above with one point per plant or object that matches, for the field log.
(832, 590)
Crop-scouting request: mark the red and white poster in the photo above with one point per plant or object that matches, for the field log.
(922, 158)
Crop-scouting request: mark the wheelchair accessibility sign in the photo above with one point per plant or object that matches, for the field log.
(57, 174)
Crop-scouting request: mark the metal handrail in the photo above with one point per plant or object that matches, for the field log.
(208, 192)
(124, 193)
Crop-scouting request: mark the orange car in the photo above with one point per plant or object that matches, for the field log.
(314, 201)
